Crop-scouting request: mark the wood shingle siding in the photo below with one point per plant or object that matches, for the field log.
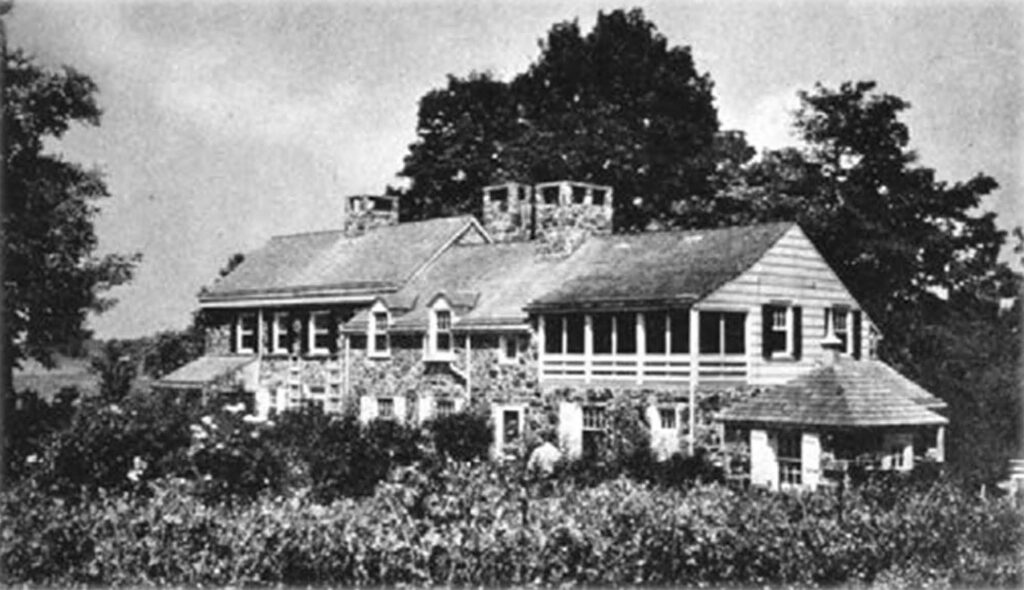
(790, 271)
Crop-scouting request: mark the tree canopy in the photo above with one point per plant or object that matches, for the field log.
(616, 106)
(52, 277)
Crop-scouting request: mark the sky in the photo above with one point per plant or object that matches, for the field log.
(226, 123)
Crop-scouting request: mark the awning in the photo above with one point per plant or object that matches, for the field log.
(204, 371)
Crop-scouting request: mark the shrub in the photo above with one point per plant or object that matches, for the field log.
(462, 436)
(474, 524)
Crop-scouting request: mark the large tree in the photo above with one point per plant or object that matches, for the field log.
(617, 106)
(52, 277)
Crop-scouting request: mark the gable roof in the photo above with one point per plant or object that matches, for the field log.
(659, 268)
(333, 263)
(494, 281)
(849, 393)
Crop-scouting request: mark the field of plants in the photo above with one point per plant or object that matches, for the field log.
(136, 493)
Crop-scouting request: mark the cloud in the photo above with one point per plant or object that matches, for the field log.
(769, 124)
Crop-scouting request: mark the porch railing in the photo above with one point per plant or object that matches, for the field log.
(640, 369)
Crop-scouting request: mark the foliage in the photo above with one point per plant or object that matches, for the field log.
(171, 349)
(33, 421)
(616, 106)
(477, 525)
(48, 213)
(116, 369)
(462, 436)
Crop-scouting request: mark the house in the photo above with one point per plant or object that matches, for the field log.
(846, 412)
(537, 312)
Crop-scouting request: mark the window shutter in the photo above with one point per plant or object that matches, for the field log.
(332, 332)
(766, 330)
(233, 345)
(856, 334)
(798, 332)
(289, 323)
(303, 333)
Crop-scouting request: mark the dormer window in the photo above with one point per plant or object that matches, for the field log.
(319, 332)
(379, 342)
(442, 332)
(245, 333)
(781, 324)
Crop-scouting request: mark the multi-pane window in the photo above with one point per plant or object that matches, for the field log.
(443, 332)
(445, 407)
(579, 194)
(668, 418)
(550, 194)
(722, 332)
(837, 321)
(379, 340)
(385, 407)
(246, 333)
(597, 197)
(789, 457)
(594, 422)
(280, 337)
(319, 332)
(563, 334)
(781, 335)
(511, 421)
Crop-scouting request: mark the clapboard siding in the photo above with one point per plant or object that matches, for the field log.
(792, 270)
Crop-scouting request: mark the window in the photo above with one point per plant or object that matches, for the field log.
(594, 422)
(385, 407)
(379, 342)
(550, 195)
(320, 332)
(508, 348)
(443, 331)
(563, 333)
(579, 194)
(655, 332)
(512, 424)
(553, 327)
(602, 329)
(846, 325)
(668, 418)
(499, 194)
(280, 336)
(598, 196)
(679, 327)
(789, 458)
(722, 332)
(781, 324)
(445, 407)
(625, 333)
(245, 333)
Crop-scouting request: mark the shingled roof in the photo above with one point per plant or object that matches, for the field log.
(498, 279)
(848, 393)
(205, 369)
(659, 267)
(332, 262)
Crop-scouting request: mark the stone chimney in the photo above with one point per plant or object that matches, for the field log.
(548, 211)
(365, 212)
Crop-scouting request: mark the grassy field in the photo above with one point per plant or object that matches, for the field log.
(69, 372)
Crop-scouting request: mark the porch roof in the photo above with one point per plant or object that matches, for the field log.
(849, 393)
(204, 370)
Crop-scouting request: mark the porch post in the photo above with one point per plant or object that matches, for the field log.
(641, 346)
(588, 347)
(469, 366)
(694, 370)
(940, 444)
